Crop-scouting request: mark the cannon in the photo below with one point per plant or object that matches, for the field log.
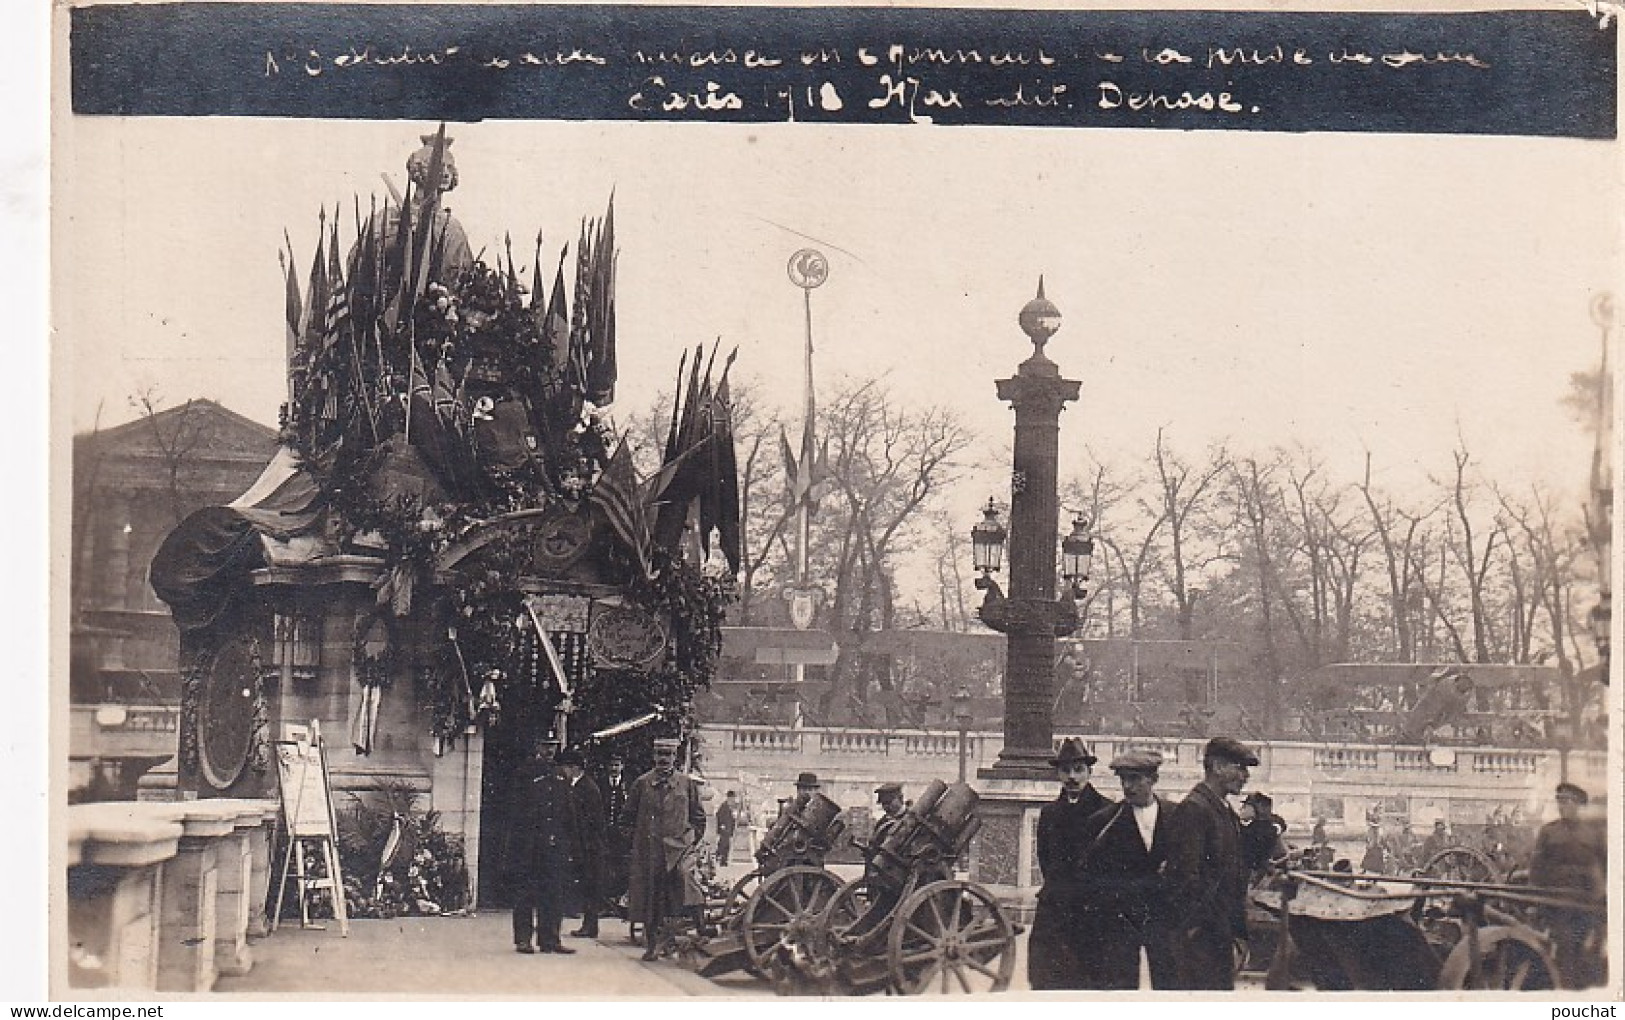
(1345, 931)
(788, 883)
(908, 925)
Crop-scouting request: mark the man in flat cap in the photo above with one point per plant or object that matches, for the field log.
(1052, 948)
(541, 836)
(1122, 902)
(1571, 853)
(666, 817)
(1207, 878)
(588, 804)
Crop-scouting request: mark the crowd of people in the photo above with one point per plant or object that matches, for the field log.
(1146, 875)
(1121, 878)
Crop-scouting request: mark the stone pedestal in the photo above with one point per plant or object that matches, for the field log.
(456, 777)
(235, 895)
(261, 847)
(189, 920)
(115, 889)
(1004, 854)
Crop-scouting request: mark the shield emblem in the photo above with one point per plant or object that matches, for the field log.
(804, 604)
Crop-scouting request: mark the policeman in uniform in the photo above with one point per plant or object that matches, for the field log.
(1052, 948)
(540, 839)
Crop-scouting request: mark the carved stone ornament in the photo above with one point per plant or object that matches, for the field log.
(561, 539)
(626, 637)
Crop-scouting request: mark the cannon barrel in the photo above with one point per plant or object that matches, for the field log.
(802, 834)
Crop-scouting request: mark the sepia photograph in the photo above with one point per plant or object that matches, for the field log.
(648, 502)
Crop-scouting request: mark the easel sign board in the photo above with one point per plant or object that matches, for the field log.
(302, 777)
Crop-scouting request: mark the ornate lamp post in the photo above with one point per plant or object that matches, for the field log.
(1031, 616)
(962, 716)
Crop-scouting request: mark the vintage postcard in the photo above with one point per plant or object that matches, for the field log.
(816, 501)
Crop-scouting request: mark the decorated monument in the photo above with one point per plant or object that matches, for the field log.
(452, 553)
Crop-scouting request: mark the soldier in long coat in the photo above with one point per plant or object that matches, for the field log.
(666, 817)
(1572, 853)
(1207, 875)
(1123, 899)
(541, 834)
(588, 851)
(1052, 948)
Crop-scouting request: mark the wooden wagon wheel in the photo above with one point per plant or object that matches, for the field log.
(1433, 913)
(1510, 959)
(1461, 864)
(784, 908)
(850, 902)
(951, 937)
(740, 893)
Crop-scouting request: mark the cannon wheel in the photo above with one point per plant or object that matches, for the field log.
(1462, 863)
(1510, 959)
(741, 892)
(788, 901)
(953, 935)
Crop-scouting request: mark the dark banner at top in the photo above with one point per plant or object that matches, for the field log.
(1502, 73)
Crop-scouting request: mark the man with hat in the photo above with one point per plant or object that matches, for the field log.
(1207, 877)
(1052, 948)
(890, 797)
(588, 804)
(666, 817)
(807, 784)
(1122, 903)
(541, 835)
(618, 839)
(1572, 854)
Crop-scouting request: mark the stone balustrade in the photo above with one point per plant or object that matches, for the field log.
(1505, 762)
(166, 896)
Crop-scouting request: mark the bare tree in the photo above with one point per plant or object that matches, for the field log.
(177, 436)
(1184, 495)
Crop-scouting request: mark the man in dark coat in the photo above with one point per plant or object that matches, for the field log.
(1052, 948)
(618, 842)
(727, 823)
(1572, 854)
(540, 835)
(1207, 876)
(588, 851)
(1122, 900)
(666, 817)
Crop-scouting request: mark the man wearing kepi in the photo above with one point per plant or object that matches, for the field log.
(1123, 906)
(1571, 853)
(664, 812)
(1052, 948)
(1207, 879)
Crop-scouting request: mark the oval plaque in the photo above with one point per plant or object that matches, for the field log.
(624, 637)
(226, 713)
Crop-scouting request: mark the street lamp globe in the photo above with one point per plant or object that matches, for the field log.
(962, 714)
(987, 540)
(1039, 318)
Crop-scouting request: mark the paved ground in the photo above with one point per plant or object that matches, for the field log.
(463, 957)
(472, 956)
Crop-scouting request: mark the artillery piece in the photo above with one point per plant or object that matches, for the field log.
(908, 924)
(788, 882)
